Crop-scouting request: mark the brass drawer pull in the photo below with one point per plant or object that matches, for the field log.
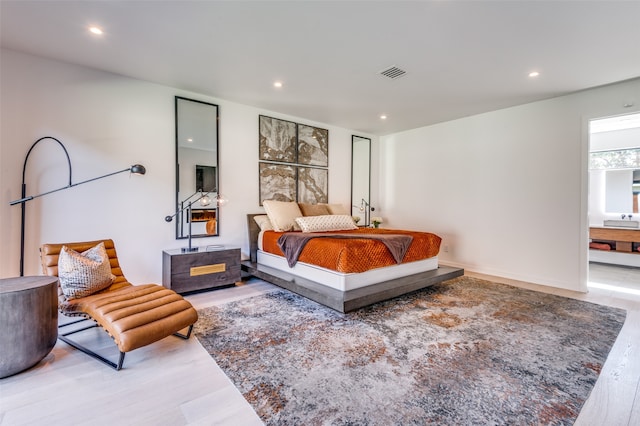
(208, 269)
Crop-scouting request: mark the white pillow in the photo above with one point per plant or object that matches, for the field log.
(82, 274)
(337, 209)
(263, 222)
(282, 214)
(334, 222)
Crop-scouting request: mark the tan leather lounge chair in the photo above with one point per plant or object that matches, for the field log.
(134, 316)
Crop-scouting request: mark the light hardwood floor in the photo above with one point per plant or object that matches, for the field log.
(175, 382)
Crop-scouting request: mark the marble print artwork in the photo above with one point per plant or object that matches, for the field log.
(278, 140)
(277, 182)
(463, 352)
(283, 141)
(313, 146)
(313, 185)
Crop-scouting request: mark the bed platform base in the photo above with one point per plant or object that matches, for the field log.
(345, 301)
(341, 301)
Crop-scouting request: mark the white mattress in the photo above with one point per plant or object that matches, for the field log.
(342, 281)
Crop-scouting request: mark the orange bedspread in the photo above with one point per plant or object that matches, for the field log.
(357, 255)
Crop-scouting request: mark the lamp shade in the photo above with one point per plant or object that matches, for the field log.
(138, 169)
(205, 200)
(221, 200)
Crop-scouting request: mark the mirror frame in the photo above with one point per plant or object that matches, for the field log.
(356, 203)
(180, 223)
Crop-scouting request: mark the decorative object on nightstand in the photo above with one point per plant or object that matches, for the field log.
(204, 201)
(204, 268)
(365, 208)
(136, 169)
(376, 221)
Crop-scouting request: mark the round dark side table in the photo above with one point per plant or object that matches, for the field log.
(28, 321)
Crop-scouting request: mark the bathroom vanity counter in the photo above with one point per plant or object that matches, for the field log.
(624, 239)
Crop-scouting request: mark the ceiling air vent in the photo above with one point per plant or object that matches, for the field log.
(393, 72)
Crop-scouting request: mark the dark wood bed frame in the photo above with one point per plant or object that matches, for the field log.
(342, 301)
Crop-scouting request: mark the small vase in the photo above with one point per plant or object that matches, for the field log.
(376, 224)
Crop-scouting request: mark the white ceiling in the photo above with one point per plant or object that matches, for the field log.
(461, 57)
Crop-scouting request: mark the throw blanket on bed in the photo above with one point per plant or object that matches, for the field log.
(293, 243)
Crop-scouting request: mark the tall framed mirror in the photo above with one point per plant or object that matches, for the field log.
(361, 179)
(197, 168)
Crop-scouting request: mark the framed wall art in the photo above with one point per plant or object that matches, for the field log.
(313, 185)
(278, 140)
(278, 182)
(313, 146)
(293, 161)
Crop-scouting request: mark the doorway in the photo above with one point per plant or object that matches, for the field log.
(613, 207)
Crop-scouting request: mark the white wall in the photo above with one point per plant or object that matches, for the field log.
(507, 190)
(597, 198)
(108, 122)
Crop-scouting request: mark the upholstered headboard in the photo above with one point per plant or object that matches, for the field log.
(253, 230)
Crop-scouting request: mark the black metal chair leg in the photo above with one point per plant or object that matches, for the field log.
(184, 336)
(118, 366)
(78, 346)
(93, 354)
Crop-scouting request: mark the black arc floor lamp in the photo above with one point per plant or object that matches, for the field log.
(137, 169)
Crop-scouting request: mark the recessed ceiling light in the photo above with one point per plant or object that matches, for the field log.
(534, 74)
(189, 140)
(95, 30)
(383, 117)
(277, 84)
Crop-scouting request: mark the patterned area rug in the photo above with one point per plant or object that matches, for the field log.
(463, 352)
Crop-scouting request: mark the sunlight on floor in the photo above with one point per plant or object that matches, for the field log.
(614, 288)
(619, 280)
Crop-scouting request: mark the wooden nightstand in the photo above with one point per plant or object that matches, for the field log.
(199, 270)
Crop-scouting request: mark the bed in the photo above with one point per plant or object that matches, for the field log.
(349, 287)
